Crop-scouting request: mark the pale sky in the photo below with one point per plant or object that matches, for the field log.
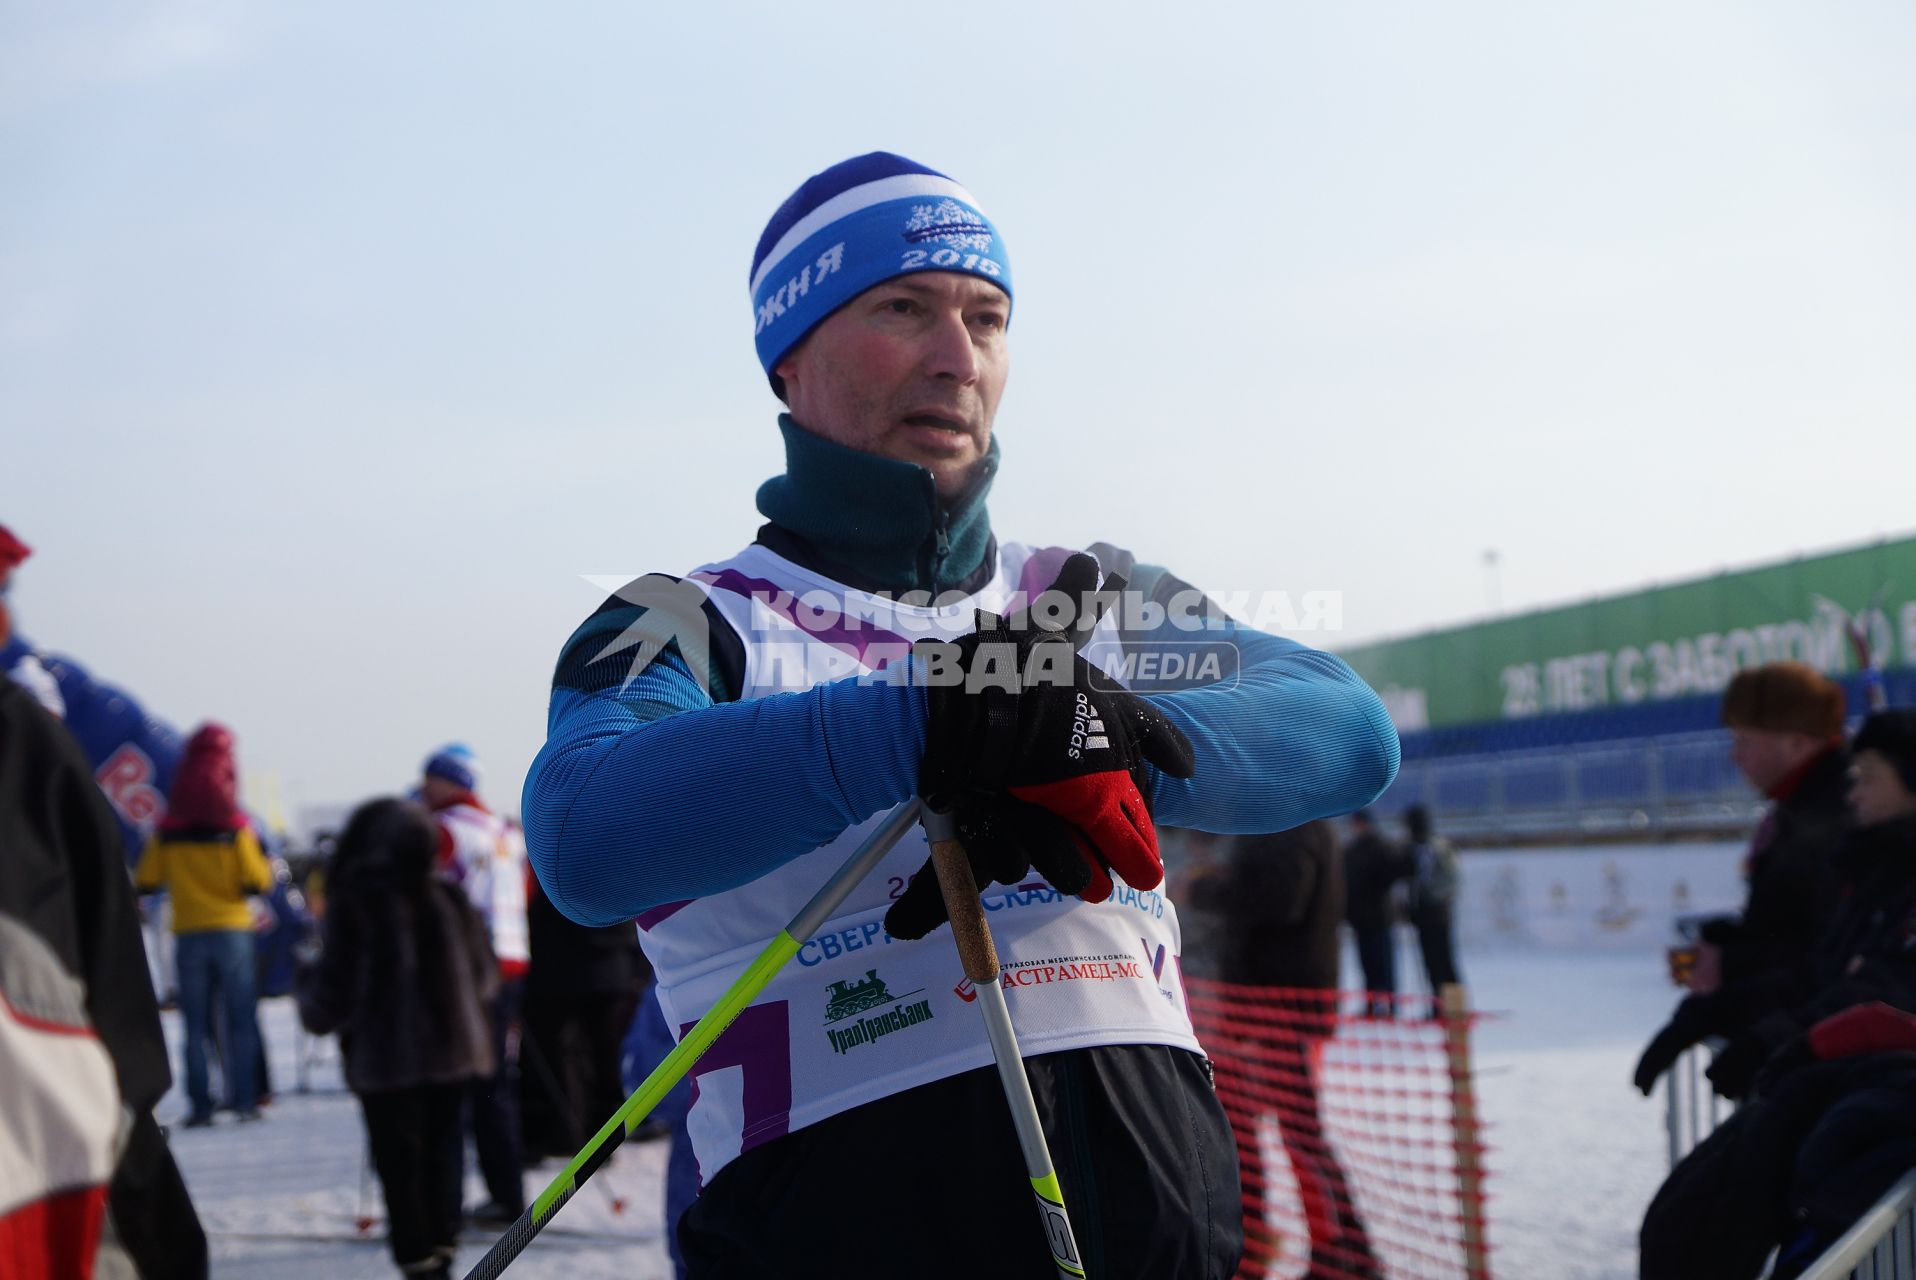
(339, 342)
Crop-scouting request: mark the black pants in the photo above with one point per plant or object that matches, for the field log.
(569, 1065)
(930, 1182)
(1377, 953)
(495, 1106)
(416, 1139)
(1439, 948)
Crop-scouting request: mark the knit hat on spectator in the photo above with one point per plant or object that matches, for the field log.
(456, 764)
(204, 792)
(860, 223)
(1891, 735)
(12, 551)
(1787, 697)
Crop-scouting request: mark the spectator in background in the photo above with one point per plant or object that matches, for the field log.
(1865, 954)
(18, 662)
(282, 926)
(405, 975)
(1279, 899)
(1786, 737)
(1199, 855)
(477, 852)
(63, 875)
(207, 858)
(581, 993)
(1832, 1123)
(1430, 902)
(59, 1116)
(1372, 868)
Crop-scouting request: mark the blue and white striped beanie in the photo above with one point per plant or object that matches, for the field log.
(454, 763)
(857, 224)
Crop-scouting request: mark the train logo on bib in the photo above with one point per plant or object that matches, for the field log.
(850, 1003)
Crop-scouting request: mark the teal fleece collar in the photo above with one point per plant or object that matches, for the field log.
(878, 517)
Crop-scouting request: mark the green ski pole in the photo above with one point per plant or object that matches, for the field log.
(696, 1041)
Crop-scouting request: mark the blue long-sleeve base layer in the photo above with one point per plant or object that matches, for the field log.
(649, 790)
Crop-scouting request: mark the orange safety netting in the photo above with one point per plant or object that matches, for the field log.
(1357, 1138)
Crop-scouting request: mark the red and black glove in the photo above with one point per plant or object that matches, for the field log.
(1015, 712)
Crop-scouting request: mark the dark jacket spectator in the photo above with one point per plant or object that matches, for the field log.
(404, 977)
(1832, 1123)
(1279, 900)
(1434, 878)
(1786, 724)
(1867, 955)
(1793, 1168)
(1792, 882)
(581, 994)
(63, 874)
(1373, 866)
(406, 968)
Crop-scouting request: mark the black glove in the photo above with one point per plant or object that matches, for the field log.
(1736, 1067)
(1005, 839)
(1017, 715)
(1689, 1024)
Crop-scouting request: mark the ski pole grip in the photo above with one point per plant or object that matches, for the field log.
(968, 928)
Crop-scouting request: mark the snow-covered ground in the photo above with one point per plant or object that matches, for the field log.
(286, 1197)
(1564, 946)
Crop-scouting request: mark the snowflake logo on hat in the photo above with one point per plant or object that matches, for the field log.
(949, 223)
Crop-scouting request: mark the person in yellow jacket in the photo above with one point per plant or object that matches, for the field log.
(206, 856)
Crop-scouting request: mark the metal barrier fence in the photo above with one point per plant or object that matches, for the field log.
(1692, 1109)
(1639, 786)
(1880, 1246)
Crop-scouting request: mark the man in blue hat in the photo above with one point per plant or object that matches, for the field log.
(719, 741)
(481, 854)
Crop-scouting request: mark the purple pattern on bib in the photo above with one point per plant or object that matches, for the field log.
(759, 1044)
(661, 913)
(854, 636)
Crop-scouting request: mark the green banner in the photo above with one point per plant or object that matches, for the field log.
(1667, 642)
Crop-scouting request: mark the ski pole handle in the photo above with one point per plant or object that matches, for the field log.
(979, 956)
(976, 951)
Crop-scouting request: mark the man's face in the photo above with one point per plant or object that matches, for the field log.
(437, 791)
(1767, 756)
(910, 369)
(1876, 791)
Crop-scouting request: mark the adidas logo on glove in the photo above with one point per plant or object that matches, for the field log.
(1087, 731)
